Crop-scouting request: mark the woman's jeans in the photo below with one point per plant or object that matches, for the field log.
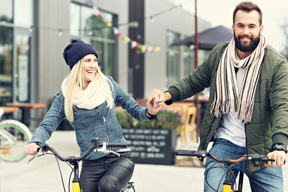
(108, 174)
(267, 179)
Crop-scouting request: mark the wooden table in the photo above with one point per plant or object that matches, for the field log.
(10, 109)
(24, 108)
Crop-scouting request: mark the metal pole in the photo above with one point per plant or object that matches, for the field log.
(196, 65)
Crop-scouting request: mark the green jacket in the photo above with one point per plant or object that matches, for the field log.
(269, 122)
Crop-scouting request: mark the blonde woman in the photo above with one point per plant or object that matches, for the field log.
(87, 99)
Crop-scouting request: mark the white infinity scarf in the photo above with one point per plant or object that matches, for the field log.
(89, 98)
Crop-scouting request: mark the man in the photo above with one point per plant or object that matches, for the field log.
(248, 104)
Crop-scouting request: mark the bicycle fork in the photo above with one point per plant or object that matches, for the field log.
(228, 183)
(76, 181)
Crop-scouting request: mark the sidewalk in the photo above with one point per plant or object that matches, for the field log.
(42, 174)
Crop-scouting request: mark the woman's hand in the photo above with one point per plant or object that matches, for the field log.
(31, 149)
(156, 98)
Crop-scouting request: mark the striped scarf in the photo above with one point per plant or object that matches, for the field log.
(227, 98)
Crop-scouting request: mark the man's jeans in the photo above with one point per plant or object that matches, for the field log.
(267, 179)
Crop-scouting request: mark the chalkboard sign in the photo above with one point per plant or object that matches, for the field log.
(151, 146)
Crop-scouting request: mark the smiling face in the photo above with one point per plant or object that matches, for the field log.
(247, 31)
(90, 65)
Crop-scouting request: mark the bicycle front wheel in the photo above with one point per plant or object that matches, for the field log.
(14, 136)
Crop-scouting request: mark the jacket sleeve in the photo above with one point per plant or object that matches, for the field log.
(51, 121)
(279, 102)
(198, 79)
(128, 103)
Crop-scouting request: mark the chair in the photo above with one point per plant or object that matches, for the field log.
(189, 116)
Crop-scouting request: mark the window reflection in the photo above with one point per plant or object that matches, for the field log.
(23, 13)
(87, 26)
(189, 60)
(22, 68)
(93, 25)
(5, 64)
(6, 11)
(172, 55)
(74, 19)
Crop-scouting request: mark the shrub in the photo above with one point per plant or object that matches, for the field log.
(165, 120)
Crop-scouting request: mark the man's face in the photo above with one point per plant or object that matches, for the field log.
(247, 30)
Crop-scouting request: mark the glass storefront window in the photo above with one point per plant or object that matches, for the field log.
(93, 25)
(22, 67)
(75, 19)
(87, 26)
(172, 56)
(6, 11)
(189, 61)
(23, 13)
(6, 47)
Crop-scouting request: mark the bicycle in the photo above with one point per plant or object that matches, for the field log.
(73, 162)
(228, 163)
(14, 136)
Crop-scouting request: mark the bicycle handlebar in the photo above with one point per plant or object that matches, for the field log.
(96, 144)
(202, 154)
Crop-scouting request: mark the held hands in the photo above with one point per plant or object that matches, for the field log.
(279, 157)
(31, 149)
(156, 98)
(152, 103)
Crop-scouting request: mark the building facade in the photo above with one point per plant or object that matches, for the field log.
(34, 34)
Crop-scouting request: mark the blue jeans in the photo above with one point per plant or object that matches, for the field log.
(265, 180)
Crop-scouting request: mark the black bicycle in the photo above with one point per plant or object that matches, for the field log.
(228, 164)
(73, 162)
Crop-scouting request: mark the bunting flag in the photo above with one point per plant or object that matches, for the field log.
(133, 44)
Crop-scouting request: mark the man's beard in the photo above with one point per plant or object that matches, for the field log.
(246, 48)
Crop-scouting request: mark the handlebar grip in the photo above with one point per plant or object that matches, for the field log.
(184, 153)
(266, 160)
(123, 145)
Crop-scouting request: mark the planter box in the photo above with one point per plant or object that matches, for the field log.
(152, 146)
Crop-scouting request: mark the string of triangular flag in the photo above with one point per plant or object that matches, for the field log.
(133, 44)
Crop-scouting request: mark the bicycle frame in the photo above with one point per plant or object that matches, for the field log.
(227, 185)
(9, 139)
(74, 161)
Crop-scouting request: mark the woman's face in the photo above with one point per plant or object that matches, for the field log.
(90, 67)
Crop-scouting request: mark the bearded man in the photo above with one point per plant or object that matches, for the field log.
(248, 103)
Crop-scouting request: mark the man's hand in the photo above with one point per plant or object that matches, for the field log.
(279, 157)
(156, 99)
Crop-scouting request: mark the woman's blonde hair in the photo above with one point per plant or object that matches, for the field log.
(76, 81)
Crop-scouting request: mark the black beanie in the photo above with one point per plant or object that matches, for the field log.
(76, 51)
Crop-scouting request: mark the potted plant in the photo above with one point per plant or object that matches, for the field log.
(151, 141)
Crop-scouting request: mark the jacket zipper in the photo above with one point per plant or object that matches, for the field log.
(105, 125)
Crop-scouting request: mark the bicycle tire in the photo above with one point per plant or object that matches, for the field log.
(14, 136)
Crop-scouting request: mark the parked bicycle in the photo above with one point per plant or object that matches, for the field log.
(73, 162)
(228, 164)
(14, 136)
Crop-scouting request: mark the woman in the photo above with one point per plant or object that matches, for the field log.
(87, 99)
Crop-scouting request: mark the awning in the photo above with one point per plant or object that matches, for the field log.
(209, 38)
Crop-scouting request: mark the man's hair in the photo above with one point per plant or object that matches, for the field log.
(247, 6)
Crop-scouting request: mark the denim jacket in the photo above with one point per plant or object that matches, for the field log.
(100, 122)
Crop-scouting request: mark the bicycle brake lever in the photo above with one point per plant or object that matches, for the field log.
(103, 149)
(31, 159)
(38, 155)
